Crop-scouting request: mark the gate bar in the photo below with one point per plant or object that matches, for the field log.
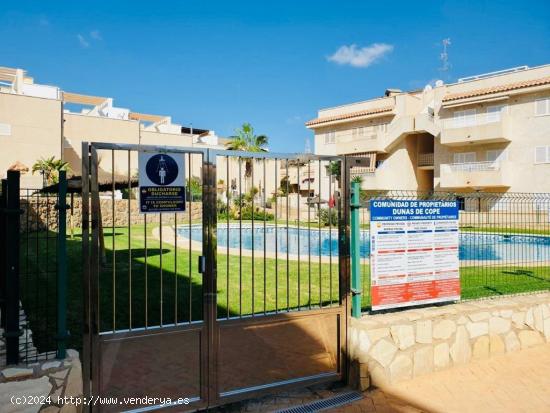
(3, 189)
(12, 214)
(355, 251)
(61, 206)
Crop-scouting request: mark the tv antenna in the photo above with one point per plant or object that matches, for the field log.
(444, 56)
(307, 148)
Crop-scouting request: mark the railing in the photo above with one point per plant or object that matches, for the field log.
(426, 159)
(478, 119)
(356, 135)
(474, 166)
(33, 290)
(504, 241)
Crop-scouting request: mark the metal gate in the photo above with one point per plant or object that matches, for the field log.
(244, 293)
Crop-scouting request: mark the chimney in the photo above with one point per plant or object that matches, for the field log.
(392, 92)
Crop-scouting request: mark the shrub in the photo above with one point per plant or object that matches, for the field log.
(258, 214)
(194, 189)
(328, 216)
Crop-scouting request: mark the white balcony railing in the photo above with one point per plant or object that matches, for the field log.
(475, 166)
(478, 119)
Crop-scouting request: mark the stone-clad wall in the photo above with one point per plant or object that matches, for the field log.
(387, 348)
(40, 213)
(46, 385)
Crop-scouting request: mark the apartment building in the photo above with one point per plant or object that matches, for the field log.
(41, 121)
(488, 132)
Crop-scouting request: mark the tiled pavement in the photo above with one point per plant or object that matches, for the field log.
(516, 382)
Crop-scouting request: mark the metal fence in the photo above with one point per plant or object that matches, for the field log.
(32, 263)
(504, 241)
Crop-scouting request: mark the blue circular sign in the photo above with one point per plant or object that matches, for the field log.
(161, 169)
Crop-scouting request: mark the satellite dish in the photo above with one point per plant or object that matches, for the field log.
(427, 88)
(438, 83)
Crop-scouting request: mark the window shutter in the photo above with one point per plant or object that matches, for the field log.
(542, 106)
(541, 154)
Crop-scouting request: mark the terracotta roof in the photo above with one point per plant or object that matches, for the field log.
(497, 89)
(350, 115)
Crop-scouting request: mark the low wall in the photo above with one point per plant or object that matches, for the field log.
(40, 213)
(391, 347)
(46, 385)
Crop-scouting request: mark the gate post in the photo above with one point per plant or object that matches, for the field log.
(62, 265)
(11, 241)
(355, 204)
(3, 189)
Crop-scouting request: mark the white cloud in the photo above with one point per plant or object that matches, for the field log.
(96, 35)
(360, 57)
(293, 119)
(83, 42)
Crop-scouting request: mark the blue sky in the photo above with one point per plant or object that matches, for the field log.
(217, 64)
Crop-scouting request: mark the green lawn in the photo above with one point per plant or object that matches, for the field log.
(165, 285)
(509, 230)
(485, 281)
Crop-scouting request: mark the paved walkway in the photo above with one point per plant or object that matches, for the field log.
(517, 382)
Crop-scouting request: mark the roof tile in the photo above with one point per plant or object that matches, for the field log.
(498, 89)
(350, 115)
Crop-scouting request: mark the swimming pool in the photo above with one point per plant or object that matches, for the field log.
(473, 246)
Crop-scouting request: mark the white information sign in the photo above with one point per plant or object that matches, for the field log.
(414, 252)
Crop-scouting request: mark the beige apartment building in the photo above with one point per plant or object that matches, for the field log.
(488, 133)
(41, 121)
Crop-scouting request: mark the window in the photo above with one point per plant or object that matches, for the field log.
(382, 127)
(496, 155)
(464, 118)
(464, 157)
(494, 113)
(542, 107)
(357, 133)
(542, 154)
(5, 129)
(330, 137)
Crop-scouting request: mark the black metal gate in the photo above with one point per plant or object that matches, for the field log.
(266, 311)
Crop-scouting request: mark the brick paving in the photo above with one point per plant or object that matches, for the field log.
(513, 382)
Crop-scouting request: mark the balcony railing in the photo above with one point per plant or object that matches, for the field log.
(490, 174)
(426, 159)
(478, 119)
(479, 129)
(475, 166)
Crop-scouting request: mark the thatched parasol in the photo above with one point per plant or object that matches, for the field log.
(19, 167)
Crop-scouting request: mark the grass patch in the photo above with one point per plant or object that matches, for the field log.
(166, 287)
(507, 230)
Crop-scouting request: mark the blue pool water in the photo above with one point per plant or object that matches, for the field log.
(473, 246)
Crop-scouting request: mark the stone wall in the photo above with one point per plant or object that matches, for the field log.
(45, 385)
(391, 347)
(40, 213)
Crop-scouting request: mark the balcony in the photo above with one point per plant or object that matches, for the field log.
(480, 129)
(476, 175)
(425, 161)
(350, 143)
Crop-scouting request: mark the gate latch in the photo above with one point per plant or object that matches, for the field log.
(202, 264)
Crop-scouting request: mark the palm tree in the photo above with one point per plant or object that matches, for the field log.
(50, 168)
(245, 140)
